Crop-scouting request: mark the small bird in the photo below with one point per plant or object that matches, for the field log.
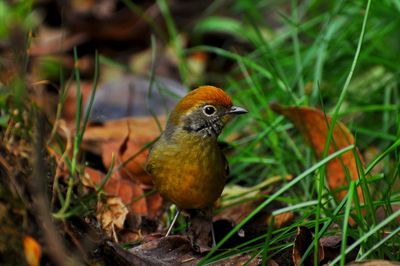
(186, 163)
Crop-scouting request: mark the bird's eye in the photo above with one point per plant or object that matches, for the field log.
(209, 110)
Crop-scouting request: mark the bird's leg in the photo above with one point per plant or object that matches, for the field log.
(214, 243)
(178, 212)
(208, 214)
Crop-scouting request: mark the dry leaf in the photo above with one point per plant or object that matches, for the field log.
(32, 250)
(143, 129)
(312, 123)
(107, 140)
(69, 109)
(154, 204)
(167, 251)
(271, 262)
(374, 263)
(332, 245)
(282, 220)
(172, 250)
(304, 239)
(112, 215)
(134, 159)
(130, 191)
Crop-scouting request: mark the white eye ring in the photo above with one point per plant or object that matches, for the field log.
(209, 110)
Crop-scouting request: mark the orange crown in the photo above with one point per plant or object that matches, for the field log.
(202, 95)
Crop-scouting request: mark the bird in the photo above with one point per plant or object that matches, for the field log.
(186, 163)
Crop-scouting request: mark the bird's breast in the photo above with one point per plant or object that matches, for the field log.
(189, 171)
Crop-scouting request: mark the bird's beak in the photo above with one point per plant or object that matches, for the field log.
(236, 110)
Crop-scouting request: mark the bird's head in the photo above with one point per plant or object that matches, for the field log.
(203, 111)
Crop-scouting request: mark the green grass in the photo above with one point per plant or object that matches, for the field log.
(339, 57)
(80, 127)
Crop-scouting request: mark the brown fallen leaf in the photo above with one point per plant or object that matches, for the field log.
(172, 250)
(304, 239)
(69, 109)
(131, 161)
(374, 263)
(332, 245)
(130, 192)
(32, 250)
(129, 179)
(107, 139)
(271, 262)
(281, 220)
(144, 128)
(154, 203)
(111, 214)
(313, 125)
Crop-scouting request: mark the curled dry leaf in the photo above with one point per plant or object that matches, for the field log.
(313, 125)
(32, 250)
(304, 239)
(112, 215)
